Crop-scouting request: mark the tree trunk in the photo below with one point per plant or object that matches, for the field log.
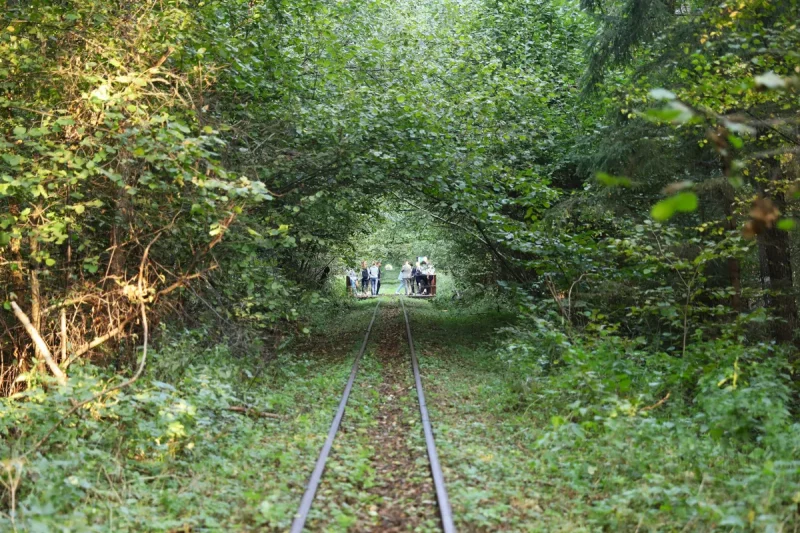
(763, 272)
(776, 245)
(36, 297)
(734, 268)
(779, 266)
(775, 260)
(735, 277)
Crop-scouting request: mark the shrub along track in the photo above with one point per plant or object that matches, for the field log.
(379, 478)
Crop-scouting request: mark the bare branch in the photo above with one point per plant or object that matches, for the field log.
(38, 341)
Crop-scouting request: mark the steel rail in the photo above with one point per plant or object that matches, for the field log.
(316, 476)
(445, 511)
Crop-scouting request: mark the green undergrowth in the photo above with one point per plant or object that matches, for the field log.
(168, 453)
(537, 430)
(548, 433)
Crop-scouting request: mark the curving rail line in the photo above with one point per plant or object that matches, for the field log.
(436, 470)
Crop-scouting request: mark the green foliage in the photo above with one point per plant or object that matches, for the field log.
(168, 453)
(584, 434)
(597, 163)
(720, 403)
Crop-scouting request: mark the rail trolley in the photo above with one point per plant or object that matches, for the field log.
(429, 287)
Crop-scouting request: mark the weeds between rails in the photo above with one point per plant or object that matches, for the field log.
(443, 501)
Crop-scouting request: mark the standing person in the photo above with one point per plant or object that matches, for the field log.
(402, 284)
(421, 277)
(364, 278)
(378, 289)
(429, 275)
(351, 277)
(413, 279)
(405, 277)
(373, 278)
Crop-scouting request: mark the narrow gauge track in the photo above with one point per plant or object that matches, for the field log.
(442, 499)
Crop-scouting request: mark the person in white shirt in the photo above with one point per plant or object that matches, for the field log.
(430, 272)
(373, 278)
(401, 285)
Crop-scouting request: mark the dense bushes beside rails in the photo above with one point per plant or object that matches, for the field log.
(718, 417)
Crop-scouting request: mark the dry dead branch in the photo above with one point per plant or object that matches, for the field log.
(38, 341)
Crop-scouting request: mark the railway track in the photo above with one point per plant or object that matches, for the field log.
(445, 512)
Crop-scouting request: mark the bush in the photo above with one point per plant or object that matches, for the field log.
(730, 390)
(717, 420)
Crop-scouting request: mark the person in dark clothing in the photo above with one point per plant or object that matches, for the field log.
(378, 289)
(422, 278)
(324, 276)
(364, 277)
(413, 279)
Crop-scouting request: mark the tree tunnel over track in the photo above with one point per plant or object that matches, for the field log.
(242, 137)
(150, 145)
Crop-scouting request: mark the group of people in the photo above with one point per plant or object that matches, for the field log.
(414, 279)
(370, 279)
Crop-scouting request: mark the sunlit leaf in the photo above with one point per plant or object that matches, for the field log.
(613, 181)
(683, 202)
(770, 80)
(735, 141)
(675, 113)
(662, 94)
